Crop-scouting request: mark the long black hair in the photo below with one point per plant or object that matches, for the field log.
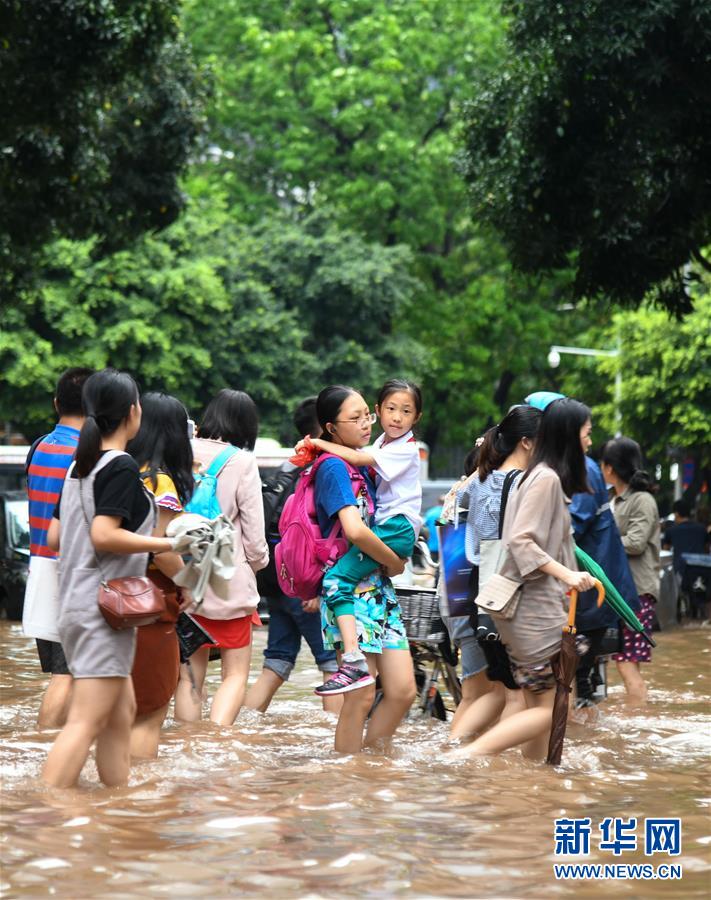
(231, 416)
(162, 443)
(558, 444)
(501, 440)
(107, 398)
(624, 456)
(328, 405)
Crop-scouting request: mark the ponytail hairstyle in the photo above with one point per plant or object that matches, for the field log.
(107, 398)
(624, 457)
(162, 443)
(394, 386)
(501, 440)
(328, 405)
(558, 445)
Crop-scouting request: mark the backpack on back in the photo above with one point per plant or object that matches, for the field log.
(276, 490)
(204, 500)
(304, 554)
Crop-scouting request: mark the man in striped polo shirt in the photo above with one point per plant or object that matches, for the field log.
(47, 464)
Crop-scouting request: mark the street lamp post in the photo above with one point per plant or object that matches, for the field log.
(554, 355)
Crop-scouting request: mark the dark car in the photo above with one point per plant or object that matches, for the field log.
(14, 551)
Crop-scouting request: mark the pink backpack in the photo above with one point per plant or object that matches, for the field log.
(303, 554)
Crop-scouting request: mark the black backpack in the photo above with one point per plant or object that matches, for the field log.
(276, 489)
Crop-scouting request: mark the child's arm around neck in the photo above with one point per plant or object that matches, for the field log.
(354, 457)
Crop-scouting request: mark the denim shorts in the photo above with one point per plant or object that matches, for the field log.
(288, 623)
(462, 636)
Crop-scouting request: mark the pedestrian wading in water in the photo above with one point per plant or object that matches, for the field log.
(102, 527)
(346, 422)
(506, 448)
(395, 459)
(229, 430)
(635, 511)
(540, 555)
(165, 458)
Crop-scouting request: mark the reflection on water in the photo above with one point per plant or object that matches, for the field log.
(267, 810)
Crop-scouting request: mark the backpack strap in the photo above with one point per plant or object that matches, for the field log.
(220, 461)
(508, 483)
(31, 452)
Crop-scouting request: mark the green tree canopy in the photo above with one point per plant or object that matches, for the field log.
(347, 103)
(100, 109)
(665, 368)
(277, 309)
(591, 145)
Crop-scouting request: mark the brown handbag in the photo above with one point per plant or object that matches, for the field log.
(127, 602)
(131, 602)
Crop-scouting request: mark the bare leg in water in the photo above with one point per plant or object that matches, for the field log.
(633, 681)
(397, 679)
(102, 710)
(530, 727)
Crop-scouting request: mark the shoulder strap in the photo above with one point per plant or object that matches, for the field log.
(508, 482)
(31, 452)
(220, 461)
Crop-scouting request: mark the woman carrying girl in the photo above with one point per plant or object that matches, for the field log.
(229, 428)
(165, 458)
(103, 529)
(506, 448)
(346, 423)
(395, 458)
(637, 517)
(537, 538)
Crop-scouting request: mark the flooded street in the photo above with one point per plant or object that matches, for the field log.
(268, 810)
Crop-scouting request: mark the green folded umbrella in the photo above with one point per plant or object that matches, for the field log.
(612, 595)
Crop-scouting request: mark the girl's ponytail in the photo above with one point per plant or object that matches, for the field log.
(106, 399)
(489, 457)
(500, 441)
(89, 447)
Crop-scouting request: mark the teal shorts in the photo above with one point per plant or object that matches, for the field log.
(341, 581)
(379, 624)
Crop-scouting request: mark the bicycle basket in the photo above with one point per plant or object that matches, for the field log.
(420, 613)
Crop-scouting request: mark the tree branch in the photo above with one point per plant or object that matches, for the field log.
(701, 260)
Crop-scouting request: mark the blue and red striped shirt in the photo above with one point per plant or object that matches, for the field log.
(45, 478)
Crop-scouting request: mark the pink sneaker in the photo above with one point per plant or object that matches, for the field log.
(347, 678)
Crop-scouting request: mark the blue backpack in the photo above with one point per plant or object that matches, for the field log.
(204, 501)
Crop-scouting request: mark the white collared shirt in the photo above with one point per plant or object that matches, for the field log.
(398, 488)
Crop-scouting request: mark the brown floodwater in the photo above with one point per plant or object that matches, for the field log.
(266, 809)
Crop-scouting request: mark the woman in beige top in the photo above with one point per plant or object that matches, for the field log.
(538, 539)
(637, 517)
(230, 419)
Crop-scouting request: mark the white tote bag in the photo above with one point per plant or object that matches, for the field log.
(41, 611)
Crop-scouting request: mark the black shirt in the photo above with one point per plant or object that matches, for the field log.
(118, 491)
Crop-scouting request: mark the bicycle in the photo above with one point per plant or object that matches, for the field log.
(433, 656)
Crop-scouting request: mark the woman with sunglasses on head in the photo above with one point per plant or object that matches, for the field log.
(346, 424)
(103, 528)
(165, 458)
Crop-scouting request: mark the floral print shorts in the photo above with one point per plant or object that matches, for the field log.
(379, 622)
(539, 677)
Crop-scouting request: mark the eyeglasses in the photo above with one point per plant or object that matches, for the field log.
(363, 420)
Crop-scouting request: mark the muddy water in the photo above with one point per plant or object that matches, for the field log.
(267, 810)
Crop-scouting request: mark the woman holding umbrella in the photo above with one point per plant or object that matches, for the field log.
(537, 537)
